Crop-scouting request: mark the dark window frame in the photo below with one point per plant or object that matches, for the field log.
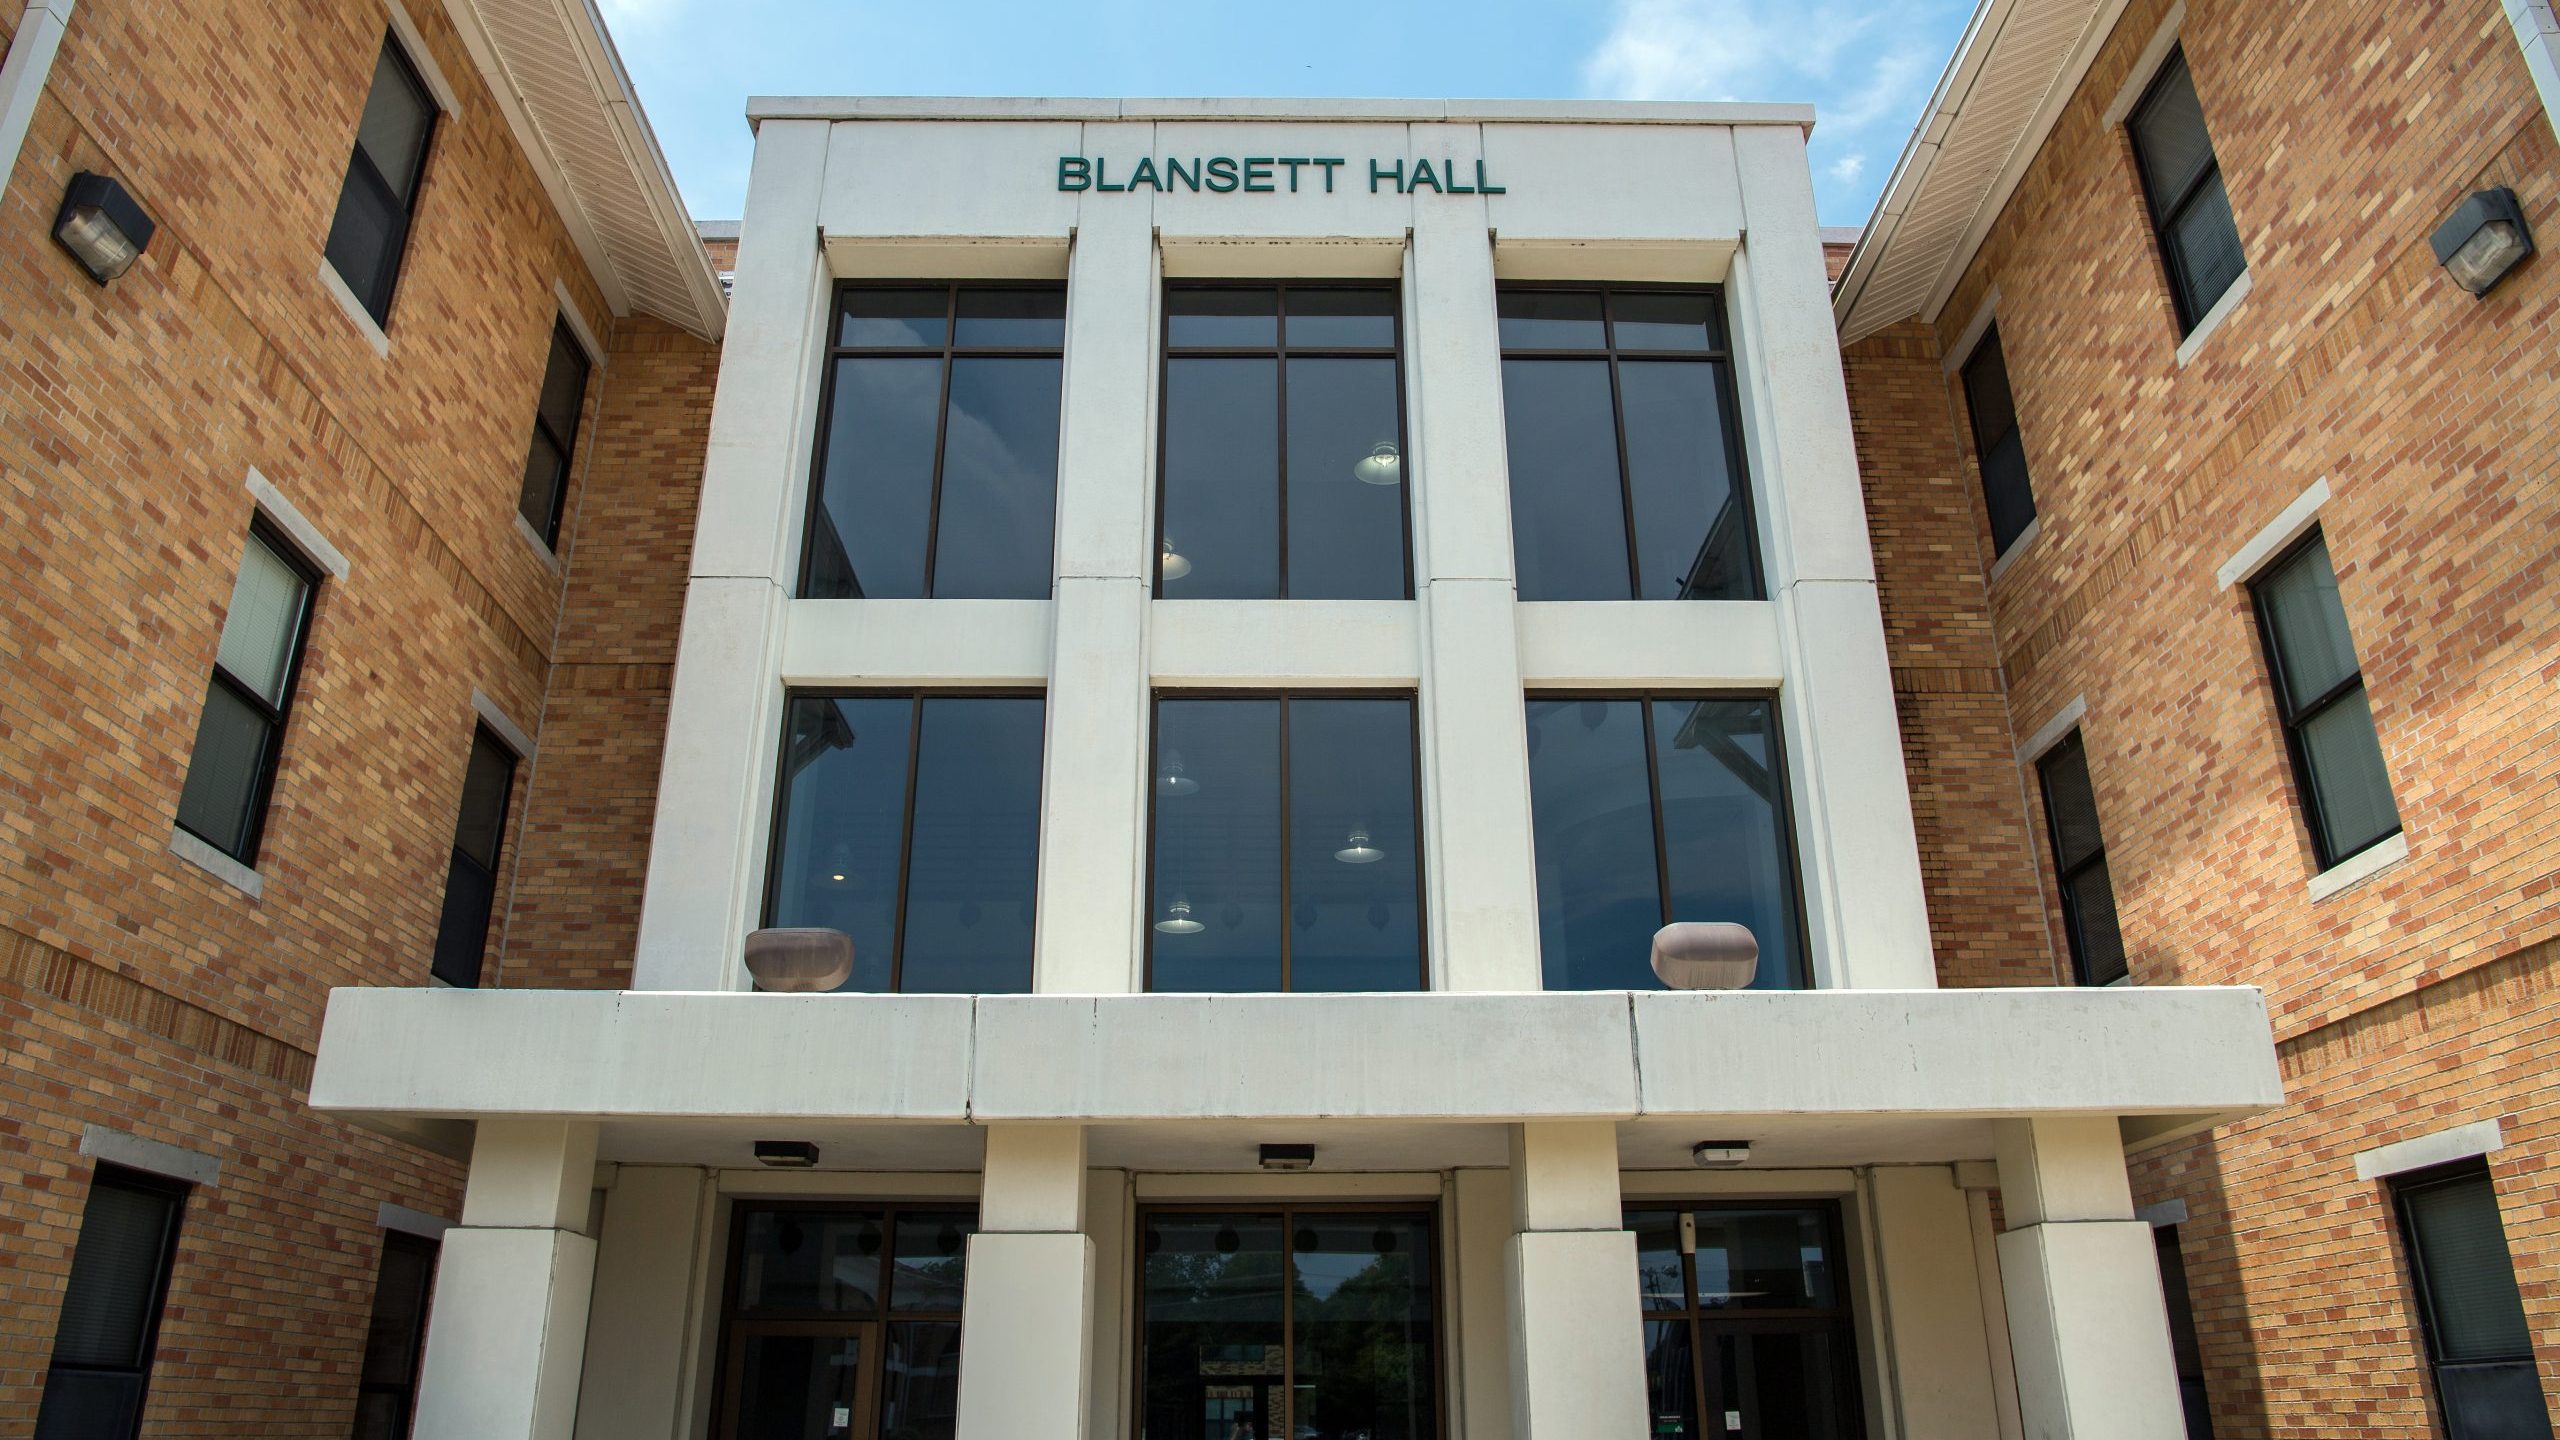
(2470, 1170)
(1790, 846)
(1989, 347)
(408, 1393)
(1287, 1210)
(2186, 1341)
(949, 350)
(278, 717)
(1724, 358)
(567, 444)
(480, 731)
(177, 1193)
(2294, 713)
(917, 695)
(736, 1324)
(361, 169)
(2166, 211)
(1285, 694)
(2066, 871)
(1706, 1320)
(1281, 352)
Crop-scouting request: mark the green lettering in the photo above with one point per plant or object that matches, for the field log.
(1422, 175)
(1074, 172)
(1222, 168)
(1145, 174)
(1376, 175)
(1329, 167)
(1101, 170)
(1258, 169)
(1448, 168)
(1173, 171)
(1484, 189)
(1293, 172)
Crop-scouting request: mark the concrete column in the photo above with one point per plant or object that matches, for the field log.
(1109, 1218)
(2537, 28)
(1475, 749)
(1026, 1336)
(1940, 1366)
(1577, 1330)
(1092, 865)
(715, 786)
(507, 1337)
(653, 1278)
(2087, 1324)
(1867, 919)
(1481, 1210)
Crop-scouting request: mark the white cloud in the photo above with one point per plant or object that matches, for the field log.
(1847, 168)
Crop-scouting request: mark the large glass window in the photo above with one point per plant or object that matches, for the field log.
(2080, 864)
(1650, 809)
(2477, 1339)
(1308, 1323)
(379, 196)
(395, 1340)
(2328, 721)
(912, 823)
(1287, 845)
(110, 1320)
(471, 874)
(1997, 446)
(555, 435)
(233, 768)
(1626, 464)
(2182, 182)
(843, 1322)
(2183, 1344)
(1746, 1322)
(937, 461)
(1283, 469)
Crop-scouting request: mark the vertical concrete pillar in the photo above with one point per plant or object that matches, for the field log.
(1026, 1336)
(507, 1338)
(1109, 1218)
(2087, 1324)
(715, 785)
(652, 1282)
(1866, 916)
(1475, 748)
(1940, 1368)
(1577, 1330)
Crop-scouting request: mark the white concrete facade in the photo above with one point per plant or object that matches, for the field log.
(1524, 1124)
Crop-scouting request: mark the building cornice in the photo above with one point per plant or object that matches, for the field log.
(761, 108)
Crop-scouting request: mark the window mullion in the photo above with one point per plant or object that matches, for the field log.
(906, 849)
(1626, 482)
(1653, 788)
(1280, 431)
(2310, 709)
(941, 436)
(1288, 918)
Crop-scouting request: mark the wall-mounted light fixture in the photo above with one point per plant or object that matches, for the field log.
(787, 1154)
(1288, 1157)
(101, 226)
(2483, 239)
(1720, 1154)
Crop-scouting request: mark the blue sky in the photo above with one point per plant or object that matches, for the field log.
(1868, 66)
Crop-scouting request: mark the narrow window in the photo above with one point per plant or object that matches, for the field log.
(2080, 864)
(471, 878)
(1650, 809)
(380, 194)
(110, 1318)
(1283, 470)
(2182, 1333)
(1746, 1322)
(2182, 182)
(1626, 465)
(912, 823)
(2328, 722)
(233, 769)
(938, 444)
(1287, 845)
(1288, 1322)
(555, 435)
(395, 1341)
(2477, 1340)
(1997, 447)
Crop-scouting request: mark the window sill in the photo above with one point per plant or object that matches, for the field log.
(2018, 547)
(542, 548)
(340, 291)
(2213, 319)
(2372, 860)
(213, 862)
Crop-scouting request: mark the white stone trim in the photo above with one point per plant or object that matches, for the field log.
(153, 1157)
(2167, 1212)
(1971, 335)
(2213, 318)
(22, 76)
(2053, 731)
(2421, 1152)
(411, 1222)
(2001, 563)
(507, 730)
(2291, 523)
(576, 319)
(2145, 68)
(413, 48)
(541, 548)
(2363, 865)
(340, 291)
(202, 854)
(2537, 31)
(306, 537)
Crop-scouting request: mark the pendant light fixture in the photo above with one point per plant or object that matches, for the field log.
(1381, 466)
(1172, 781)
(840, 864)
(1174, 567)
(1356, 849)
(1177, 919)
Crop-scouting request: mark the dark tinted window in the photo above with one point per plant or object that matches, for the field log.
(2190, 210)
(1997, 446)
(2183, 1345)
(912, 823)
(1649, 810)
(2320, 696)
(380, 192)
(231, 773)
(396, 1338)
(1746, 1322)
(844, 1321)
(555, 435)
(1287, 845)
(1626, 464)
(2080, 864)
(1283, 469)
(110, 1317)
(471, 875)
(2473, 1315)
(938, 444)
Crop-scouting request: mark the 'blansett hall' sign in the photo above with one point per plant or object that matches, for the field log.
(1255, 174)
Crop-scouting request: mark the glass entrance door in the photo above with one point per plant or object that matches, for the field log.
(802, 1380)
(1747, 1332)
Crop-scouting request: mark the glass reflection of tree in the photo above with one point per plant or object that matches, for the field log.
(1364, 1366)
